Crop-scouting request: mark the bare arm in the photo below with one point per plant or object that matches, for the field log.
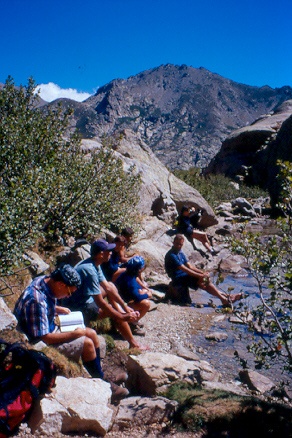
(123, 257)
(109, 310)
(194, 272)
(58, 337)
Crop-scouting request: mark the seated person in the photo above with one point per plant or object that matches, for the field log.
(36, 309)
(90, 296)
(182, 273)
(130, 287)
(186, 228)
(128, 234)
(114, 267)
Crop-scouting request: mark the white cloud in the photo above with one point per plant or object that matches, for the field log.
(51, 91)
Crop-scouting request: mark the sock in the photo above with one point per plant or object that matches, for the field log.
(94, 366)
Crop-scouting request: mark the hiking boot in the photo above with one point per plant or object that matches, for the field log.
(118, 393)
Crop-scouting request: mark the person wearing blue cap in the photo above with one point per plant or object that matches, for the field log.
(90, 296)
(131, 290)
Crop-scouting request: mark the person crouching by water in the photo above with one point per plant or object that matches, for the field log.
(186, 228)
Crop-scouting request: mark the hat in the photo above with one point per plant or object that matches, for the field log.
(101, 245)
(135, 264)
(184, 208)
(67, 274)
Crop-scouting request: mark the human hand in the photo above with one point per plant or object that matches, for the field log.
(63, 310)
(131, 316)
(149, 293)
(79, 332)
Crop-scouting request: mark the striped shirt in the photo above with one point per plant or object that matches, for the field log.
(35, 309)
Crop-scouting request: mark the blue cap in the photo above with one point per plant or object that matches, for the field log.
(135, 264)
(67, 274)
(101, 245)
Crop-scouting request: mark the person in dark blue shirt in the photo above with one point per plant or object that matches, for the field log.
(114, 266)
(183, 273)
(185, 226)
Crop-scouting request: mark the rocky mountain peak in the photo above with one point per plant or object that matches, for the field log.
(182, 113)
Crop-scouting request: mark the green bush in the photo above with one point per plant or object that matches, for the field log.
(217, 188)
(270, 263)
(50, 187)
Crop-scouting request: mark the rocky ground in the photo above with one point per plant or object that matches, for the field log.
(168, 328)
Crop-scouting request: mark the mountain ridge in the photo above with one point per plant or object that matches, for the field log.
(182, 113)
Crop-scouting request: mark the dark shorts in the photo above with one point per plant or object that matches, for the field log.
(90, 312)
(186, 280)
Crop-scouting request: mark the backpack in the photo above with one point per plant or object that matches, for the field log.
(24, 376)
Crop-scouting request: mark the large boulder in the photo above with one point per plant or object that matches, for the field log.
(143, 411)
(161, 194)
(251, 152)
(76, 405)
(151, 373)
(7, 319)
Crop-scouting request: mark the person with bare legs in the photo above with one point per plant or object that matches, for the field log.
(90, 296)
(186, 228)
(133, 292)
(183, 273)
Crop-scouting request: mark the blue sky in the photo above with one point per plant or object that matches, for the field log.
(79, 45)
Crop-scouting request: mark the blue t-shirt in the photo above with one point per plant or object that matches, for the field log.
(91, 277)
(173, 260)
(110, 267)
(128, 288)
(184, 225)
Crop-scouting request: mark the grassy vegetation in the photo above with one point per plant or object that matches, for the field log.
(217, 188)
(220, 413)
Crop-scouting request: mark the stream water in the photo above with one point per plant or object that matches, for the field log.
(221, 354)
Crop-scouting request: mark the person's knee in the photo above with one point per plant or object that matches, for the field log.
(89, 348)
(91, 334)
(146, 304)
(111, 290)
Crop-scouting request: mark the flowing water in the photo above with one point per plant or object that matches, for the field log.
(221, 354)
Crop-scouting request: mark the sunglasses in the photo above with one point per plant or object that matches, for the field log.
(69, 291)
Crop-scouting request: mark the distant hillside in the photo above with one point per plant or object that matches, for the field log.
(182, 113)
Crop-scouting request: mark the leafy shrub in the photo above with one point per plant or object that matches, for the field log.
(270, 263)
(217, 188)
(51, 187)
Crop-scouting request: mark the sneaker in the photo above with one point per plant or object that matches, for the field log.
(118, 393)
(138, 331)
(120, 377)
(137, 324)
(214, 251)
